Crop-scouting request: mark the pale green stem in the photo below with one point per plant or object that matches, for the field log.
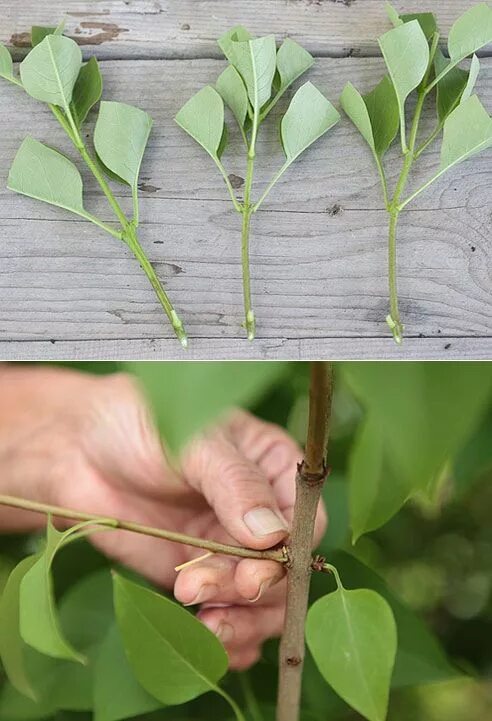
(332, 569)
(237, 206)
(130, 237)
(429, 140)
(382, 175)
(270, 185)
(249, 315)
(393, 319)
(135, 205)
(101, 224)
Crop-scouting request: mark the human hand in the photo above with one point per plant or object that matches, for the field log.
(89, 443)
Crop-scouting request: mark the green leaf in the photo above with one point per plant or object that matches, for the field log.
(406, 54)
(187, 397)
(202, 117)
(411, 430)
(182, 658)
(427, 22)
(255, 60)
(472, 79)
(467, 131)
(6, 64)
(120, 138)
(49, 72)
(352, 637)
(117, 693)
(420, 658)
(375, 115)
(292, 61)
(39, 32)
(39, 624)
(450, 88)
(475, 459)
(233, 92)
(236, 34)
(393, 15)
(470, 32)
(308, 117)
(16, 707)
(87, 90)
(11, 643)
(45, 174)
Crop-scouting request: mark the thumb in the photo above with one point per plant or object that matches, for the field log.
(237, 490)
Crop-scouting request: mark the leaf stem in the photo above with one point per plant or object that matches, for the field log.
(310, 477)
(393, 319)
(249, 316)
(237, 206)
(270, 185)
(116, 523)
(429, 140)
(131, 239)
(249, 697)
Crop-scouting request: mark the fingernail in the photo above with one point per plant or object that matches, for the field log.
(206, 593)
(263, 521)
(225, 633)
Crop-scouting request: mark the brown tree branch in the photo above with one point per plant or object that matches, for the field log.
(213, 546)
(310, 477)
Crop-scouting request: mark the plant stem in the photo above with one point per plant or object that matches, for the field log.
(116, 523)
(310, 477)
(249, 315)
(131, 239)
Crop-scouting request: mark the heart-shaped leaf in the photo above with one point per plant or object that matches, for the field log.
(236, 34)
(202, 117)
(352, 637)
(45, 174)
(292, 62)
(117, 693)
(11, 643)
(470, 32)
(233, 92)
(6, 64)
(120, 138)
(308, 117)
(87, 91)
(182, 658)
(49, 72)
(375, 115)
(255, 60)
(406, 53)
(467, 131)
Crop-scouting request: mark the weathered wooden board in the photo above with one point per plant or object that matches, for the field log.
(318, 246)
(189, 28)
(217, 348)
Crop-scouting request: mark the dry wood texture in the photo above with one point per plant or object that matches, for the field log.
(318, 247)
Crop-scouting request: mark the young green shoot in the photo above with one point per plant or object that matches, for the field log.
(53, 73)
(465, 125)
(251, 85)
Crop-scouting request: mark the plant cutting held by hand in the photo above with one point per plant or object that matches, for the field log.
(254, 81)
(415, 63)
(53, 73)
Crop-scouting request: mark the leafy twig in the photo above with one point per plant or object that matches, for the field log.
(379, 114)
(257, 77)
(116, 523)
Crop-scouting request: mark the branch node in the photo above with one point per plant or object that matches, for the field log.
(293, 660)
(313, 479)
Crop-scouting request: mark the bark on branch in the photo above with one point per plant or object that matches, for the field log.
(310, 477)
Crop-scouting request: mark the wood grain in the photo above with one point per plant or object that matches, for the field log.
(189, 28)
